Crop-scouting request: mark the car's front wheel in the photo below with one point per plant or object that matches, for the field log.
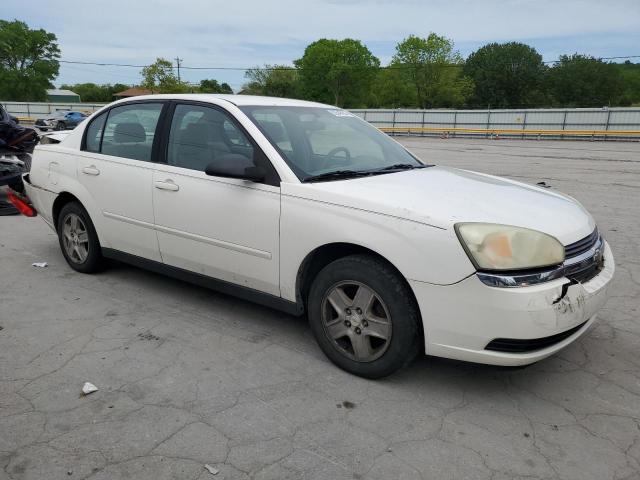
(78, 239)
(61, 126)
(363, 316)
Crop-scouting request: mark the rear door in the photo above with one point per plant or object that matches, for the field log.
(116, 168)
(219, 227)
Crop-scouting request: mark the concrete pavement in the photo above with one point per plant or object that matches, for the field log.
(189, 377)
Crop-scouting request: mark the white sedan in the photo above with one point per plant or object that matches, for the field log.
(307, 208)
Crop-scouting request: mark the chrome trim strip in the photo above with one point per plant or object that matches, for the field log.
(132, 221)
(192, 236)
(569, 267)
(215, 242)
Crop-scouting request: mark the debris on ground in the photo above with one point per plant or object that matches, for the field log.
(88, 388)
(543, 184)
(39, 264)
(211, 470)
(148, 336)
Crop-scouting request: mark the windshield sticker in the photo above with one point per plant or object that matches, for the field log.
(341, 113)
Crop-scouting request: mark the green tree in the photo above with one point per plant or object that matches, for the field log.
(28, 61)
(341, 72)
(432, 67)
(583, 81)
(391, 89)
(631, 75)
(159, 77)
(213, 86)
(506, 75)
(273, 81)
(90, 92)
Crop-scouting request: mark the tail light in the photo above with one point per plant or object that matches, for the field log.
(21, 204)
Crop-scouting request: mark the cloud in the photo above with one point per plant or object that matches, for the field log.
(246, 33)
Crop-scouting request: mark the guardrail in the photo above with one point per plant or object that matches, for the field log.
(593, 123)
(496, 132)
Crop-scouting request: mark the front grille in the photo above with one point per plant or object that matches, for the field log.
(586, 274)
(516, 345)
(581, 246)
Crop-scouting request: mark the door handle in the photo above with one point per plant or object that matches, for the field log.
(167, 185)
(91, 170)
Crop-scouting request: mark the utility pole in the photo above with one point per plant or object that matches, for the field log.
(178, 60)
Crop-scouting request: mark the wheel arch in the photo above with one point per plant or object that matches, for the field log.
(323, 255)
(61, 200)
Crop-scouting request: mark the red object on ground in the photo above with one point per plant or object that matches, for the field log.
(23, 207)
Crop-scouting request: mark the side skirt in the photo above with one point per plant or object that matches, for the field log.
(221, 286)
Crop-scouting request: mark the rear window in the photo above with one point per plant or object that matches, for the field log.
(126, 131)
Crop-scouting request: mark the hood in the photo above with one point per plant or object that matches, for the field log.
(443, 196)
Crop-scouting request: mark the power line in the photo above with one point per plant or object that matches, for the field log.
(285, 68)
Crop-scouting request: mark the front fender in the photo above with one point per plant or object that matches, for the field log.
(419, 252)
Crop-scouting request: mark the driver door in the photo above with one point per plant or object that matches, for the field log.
(219, 227)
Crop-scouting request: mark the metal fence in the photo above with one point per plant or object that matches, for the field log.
(593, 123)
(29, 111)
(597, 123)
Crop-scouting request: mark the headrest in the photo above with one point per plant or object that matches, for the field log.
(196, 133)
(274, 131)
(129, 133)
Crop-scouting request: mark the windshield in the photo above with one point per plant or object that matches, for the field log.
(317, 142)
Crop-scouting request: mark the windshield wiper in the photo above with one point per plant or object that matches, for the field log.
(399, 166)
(338, 175)
(343, 174)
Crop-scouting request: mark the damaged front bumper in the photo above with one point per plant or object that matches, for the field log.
(467, 320)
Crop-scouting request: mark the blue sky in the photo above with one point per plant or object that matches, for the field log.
(254, 32)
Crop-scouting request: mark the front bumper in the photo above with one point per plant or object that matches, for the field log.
(460, 320)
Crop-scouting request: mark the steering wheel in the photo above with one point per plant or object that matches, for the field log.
(332, 155)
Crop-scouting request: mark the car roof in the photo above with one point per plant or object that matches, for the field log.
(239, 100)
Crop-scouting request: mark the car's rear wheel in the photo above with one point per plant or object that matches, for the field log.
(78, 239)
(363, 316)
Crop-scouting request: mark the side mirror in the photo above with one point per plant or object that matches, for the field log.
(252, 174)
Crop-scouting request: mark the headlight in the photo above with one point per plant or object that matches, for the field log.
(504, 247)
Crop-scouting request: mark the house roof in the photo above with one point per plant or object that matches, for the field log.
(133, 92)
(58, 91)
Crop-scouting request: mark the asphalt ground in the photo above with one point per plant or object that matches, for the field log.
(188, 377)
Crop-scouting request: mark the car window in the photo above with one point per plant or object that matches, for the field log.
(130, 129)
(202, 135)
(275, 129)
(325, 135)
(316, 141)
(94, 133)
(233, 133)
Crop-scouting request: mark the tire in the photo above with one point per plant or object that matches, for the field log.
(353, 337)
(80, 245)
(60, 126)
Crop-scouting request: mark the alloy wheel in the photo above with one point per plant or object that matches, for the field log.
(356, 320)
(75, 238)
